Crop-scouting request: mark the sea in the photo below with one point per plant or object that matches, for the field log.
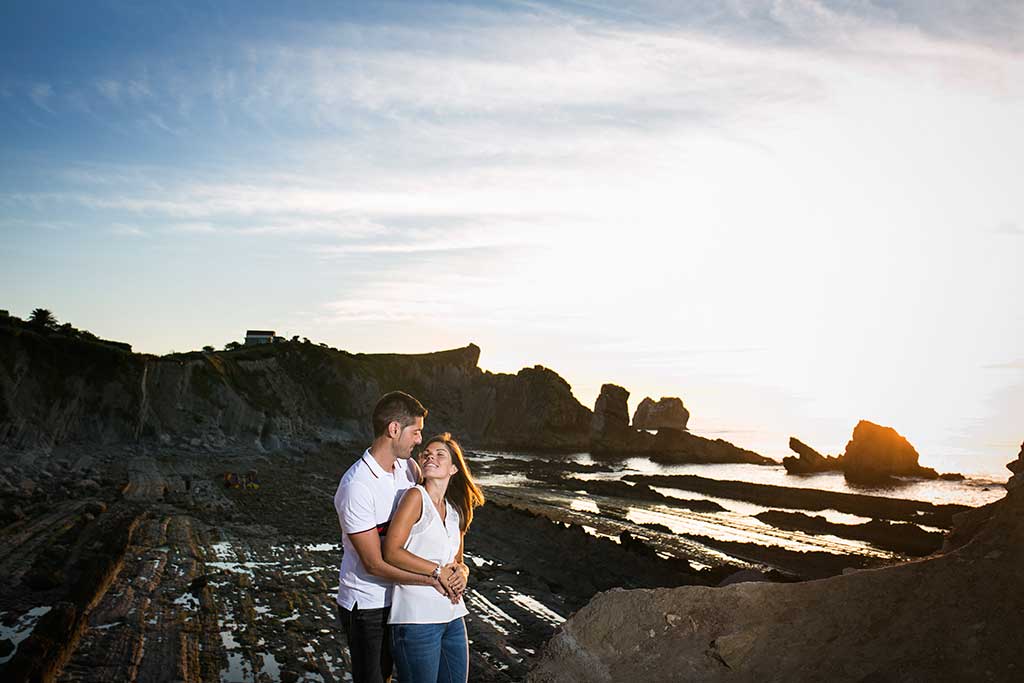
(972, 490)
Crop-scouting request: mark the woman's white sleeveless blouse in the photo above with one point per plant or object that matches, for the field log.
(437, 541)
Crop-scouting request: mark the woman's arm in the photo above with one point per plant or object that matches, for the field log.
(457, 573)
(409, 510)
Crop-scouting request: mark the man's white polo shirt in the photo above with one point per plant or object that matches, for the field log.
(366, 498)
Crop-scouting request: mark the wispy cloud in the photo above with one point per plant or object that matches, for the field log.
(41, 94)
(1008, 229)
(1009, 365)
(125, 230)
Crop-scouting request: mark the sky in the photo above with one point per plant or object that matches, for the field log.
(793, 214)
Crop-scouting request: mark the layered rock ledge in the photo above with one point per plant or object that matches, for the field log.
(952, 617)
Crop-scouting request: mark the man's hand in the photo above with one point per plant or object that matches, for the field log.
(440, 588)
(454, 580)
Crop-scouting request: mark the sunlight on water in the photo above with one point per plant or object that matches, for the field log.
(752, 509)
(972, 491)
(487, 611)
(536, 607)
(585, 505)
(743, 529)
(20, 630)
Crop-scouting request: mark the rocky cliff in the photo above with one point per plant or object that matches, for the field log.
(56, 389)
(957, 616)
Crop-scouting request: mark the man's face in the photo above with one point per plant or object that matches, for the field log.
(409, 438)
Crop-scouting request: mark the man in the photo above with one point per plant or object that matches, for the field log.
(367, 496)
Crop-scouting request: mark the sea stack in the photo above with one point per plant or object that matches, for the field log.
(668, 413)
(877, 453)
(609, 427)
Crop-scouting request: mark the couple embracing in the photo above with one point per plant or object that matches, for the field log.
(403, 520)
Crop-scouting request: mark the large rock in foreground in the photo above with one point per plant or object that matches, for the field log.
(954, 617)
(668, 413)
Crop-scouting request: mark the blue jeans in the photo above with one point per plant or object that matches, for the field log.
(425, 653)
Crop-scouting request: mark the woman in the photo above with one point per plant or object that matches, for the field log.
(428, 634)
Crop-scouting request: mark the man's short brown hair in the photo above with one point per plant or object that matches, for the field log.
(395, 406)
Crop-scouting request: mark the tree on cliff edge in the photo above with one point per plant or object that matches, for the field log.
(43, 318)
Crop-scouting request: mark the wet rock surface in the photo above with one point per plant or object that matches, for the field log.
(165, 574)
(900, 537)
(622, 489)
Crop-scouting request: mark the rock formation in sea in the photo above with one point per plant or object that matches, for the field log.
(612, 435)
(57, 390)
(668, 413)
(809, 460)
(610, 423)
(956, 616)
(873, 456)
(876, 453)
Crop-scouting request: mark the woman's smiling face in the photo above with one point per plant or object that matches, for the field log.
(436, 461)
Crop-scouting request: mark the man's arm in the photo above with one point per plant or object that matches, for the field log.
(357, 518)
(367, 545)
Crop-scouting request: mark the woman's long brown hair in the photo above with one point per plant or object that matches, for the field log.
(462, 491)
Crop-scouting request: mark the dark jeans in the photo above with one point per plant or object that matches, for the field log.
(431, 653)
(369, 643)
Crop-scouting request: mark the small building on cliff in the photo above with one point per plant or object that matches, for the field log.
(253, 337)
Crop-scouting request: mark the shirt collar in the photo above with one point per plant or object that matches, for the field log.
(375, 467)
